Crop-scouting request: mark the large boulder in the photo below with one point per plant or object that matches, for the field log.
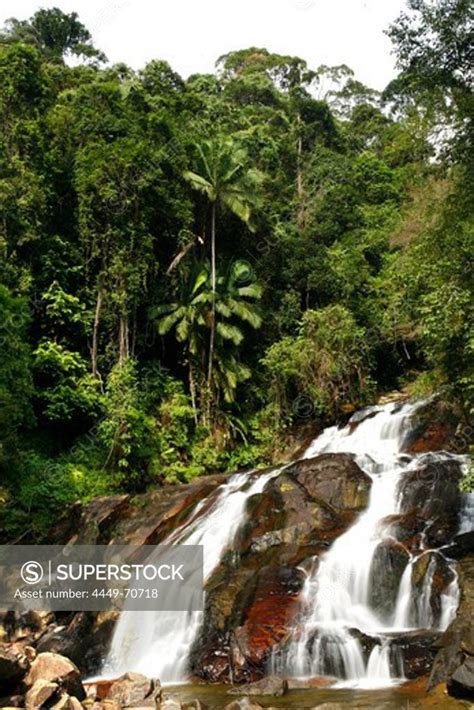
(131, 689)
(388, 564)
(430, 491)
(85, 639)
(335, 479)
(57, 669)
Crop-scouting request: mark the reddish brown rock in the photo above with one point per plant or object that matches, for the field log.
(434, 427)
(268, 618)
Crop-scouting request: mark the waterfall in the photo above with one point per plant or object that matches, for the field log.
(466, 522)
(336, 600)
(339, 630)
(158, 643)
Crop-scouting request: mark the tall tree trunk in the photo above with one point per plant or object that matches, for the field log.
(95, 332)
(124, 347)
(192, 390)
(212, 337)
(299, 174)
(213, 285)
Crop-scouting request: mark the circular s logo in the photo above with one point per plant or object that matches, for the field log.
(32, 572)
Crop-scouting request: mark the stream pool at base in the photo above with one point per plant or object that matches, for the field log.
(216, 697)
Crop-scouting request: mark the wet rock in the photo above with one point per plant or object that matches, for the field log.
(90, 524)
(417, 650)
(461, 683)
(335, 479)
(170, 705)
(457, 640)
(251, 597)
(132, 689)
(434, 429)
(57, 669)
(406, 528)
(41, 691)
(431, 491)
(388, 564)
(461, 545)
(270, 685)
(431, 576)
(268, 618)
(156, 513)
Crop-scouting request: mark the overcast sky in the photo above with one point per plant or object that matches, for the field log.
(191, 34)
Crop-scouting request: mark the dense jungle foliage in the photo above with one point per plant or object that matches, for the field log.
(191, 268)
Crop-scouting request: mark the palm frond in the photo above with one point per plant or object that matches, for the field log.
(230, 332)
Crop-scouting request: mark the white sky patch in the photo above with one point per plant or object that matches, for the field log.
(192, 34)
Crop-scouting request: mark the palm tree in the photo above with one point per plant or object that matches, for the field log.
(224, 310)
(221, 173)
(188, 317)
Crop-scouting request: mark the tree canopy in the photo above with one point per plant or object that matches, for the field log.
(192, 268)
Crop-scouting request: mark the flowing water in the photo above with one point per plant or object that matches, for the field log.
(158, 643)
(336, 598)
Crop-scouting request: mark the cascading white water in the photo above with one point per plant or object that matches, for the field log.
(467, 513)
(158, 643)
(336, 597)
